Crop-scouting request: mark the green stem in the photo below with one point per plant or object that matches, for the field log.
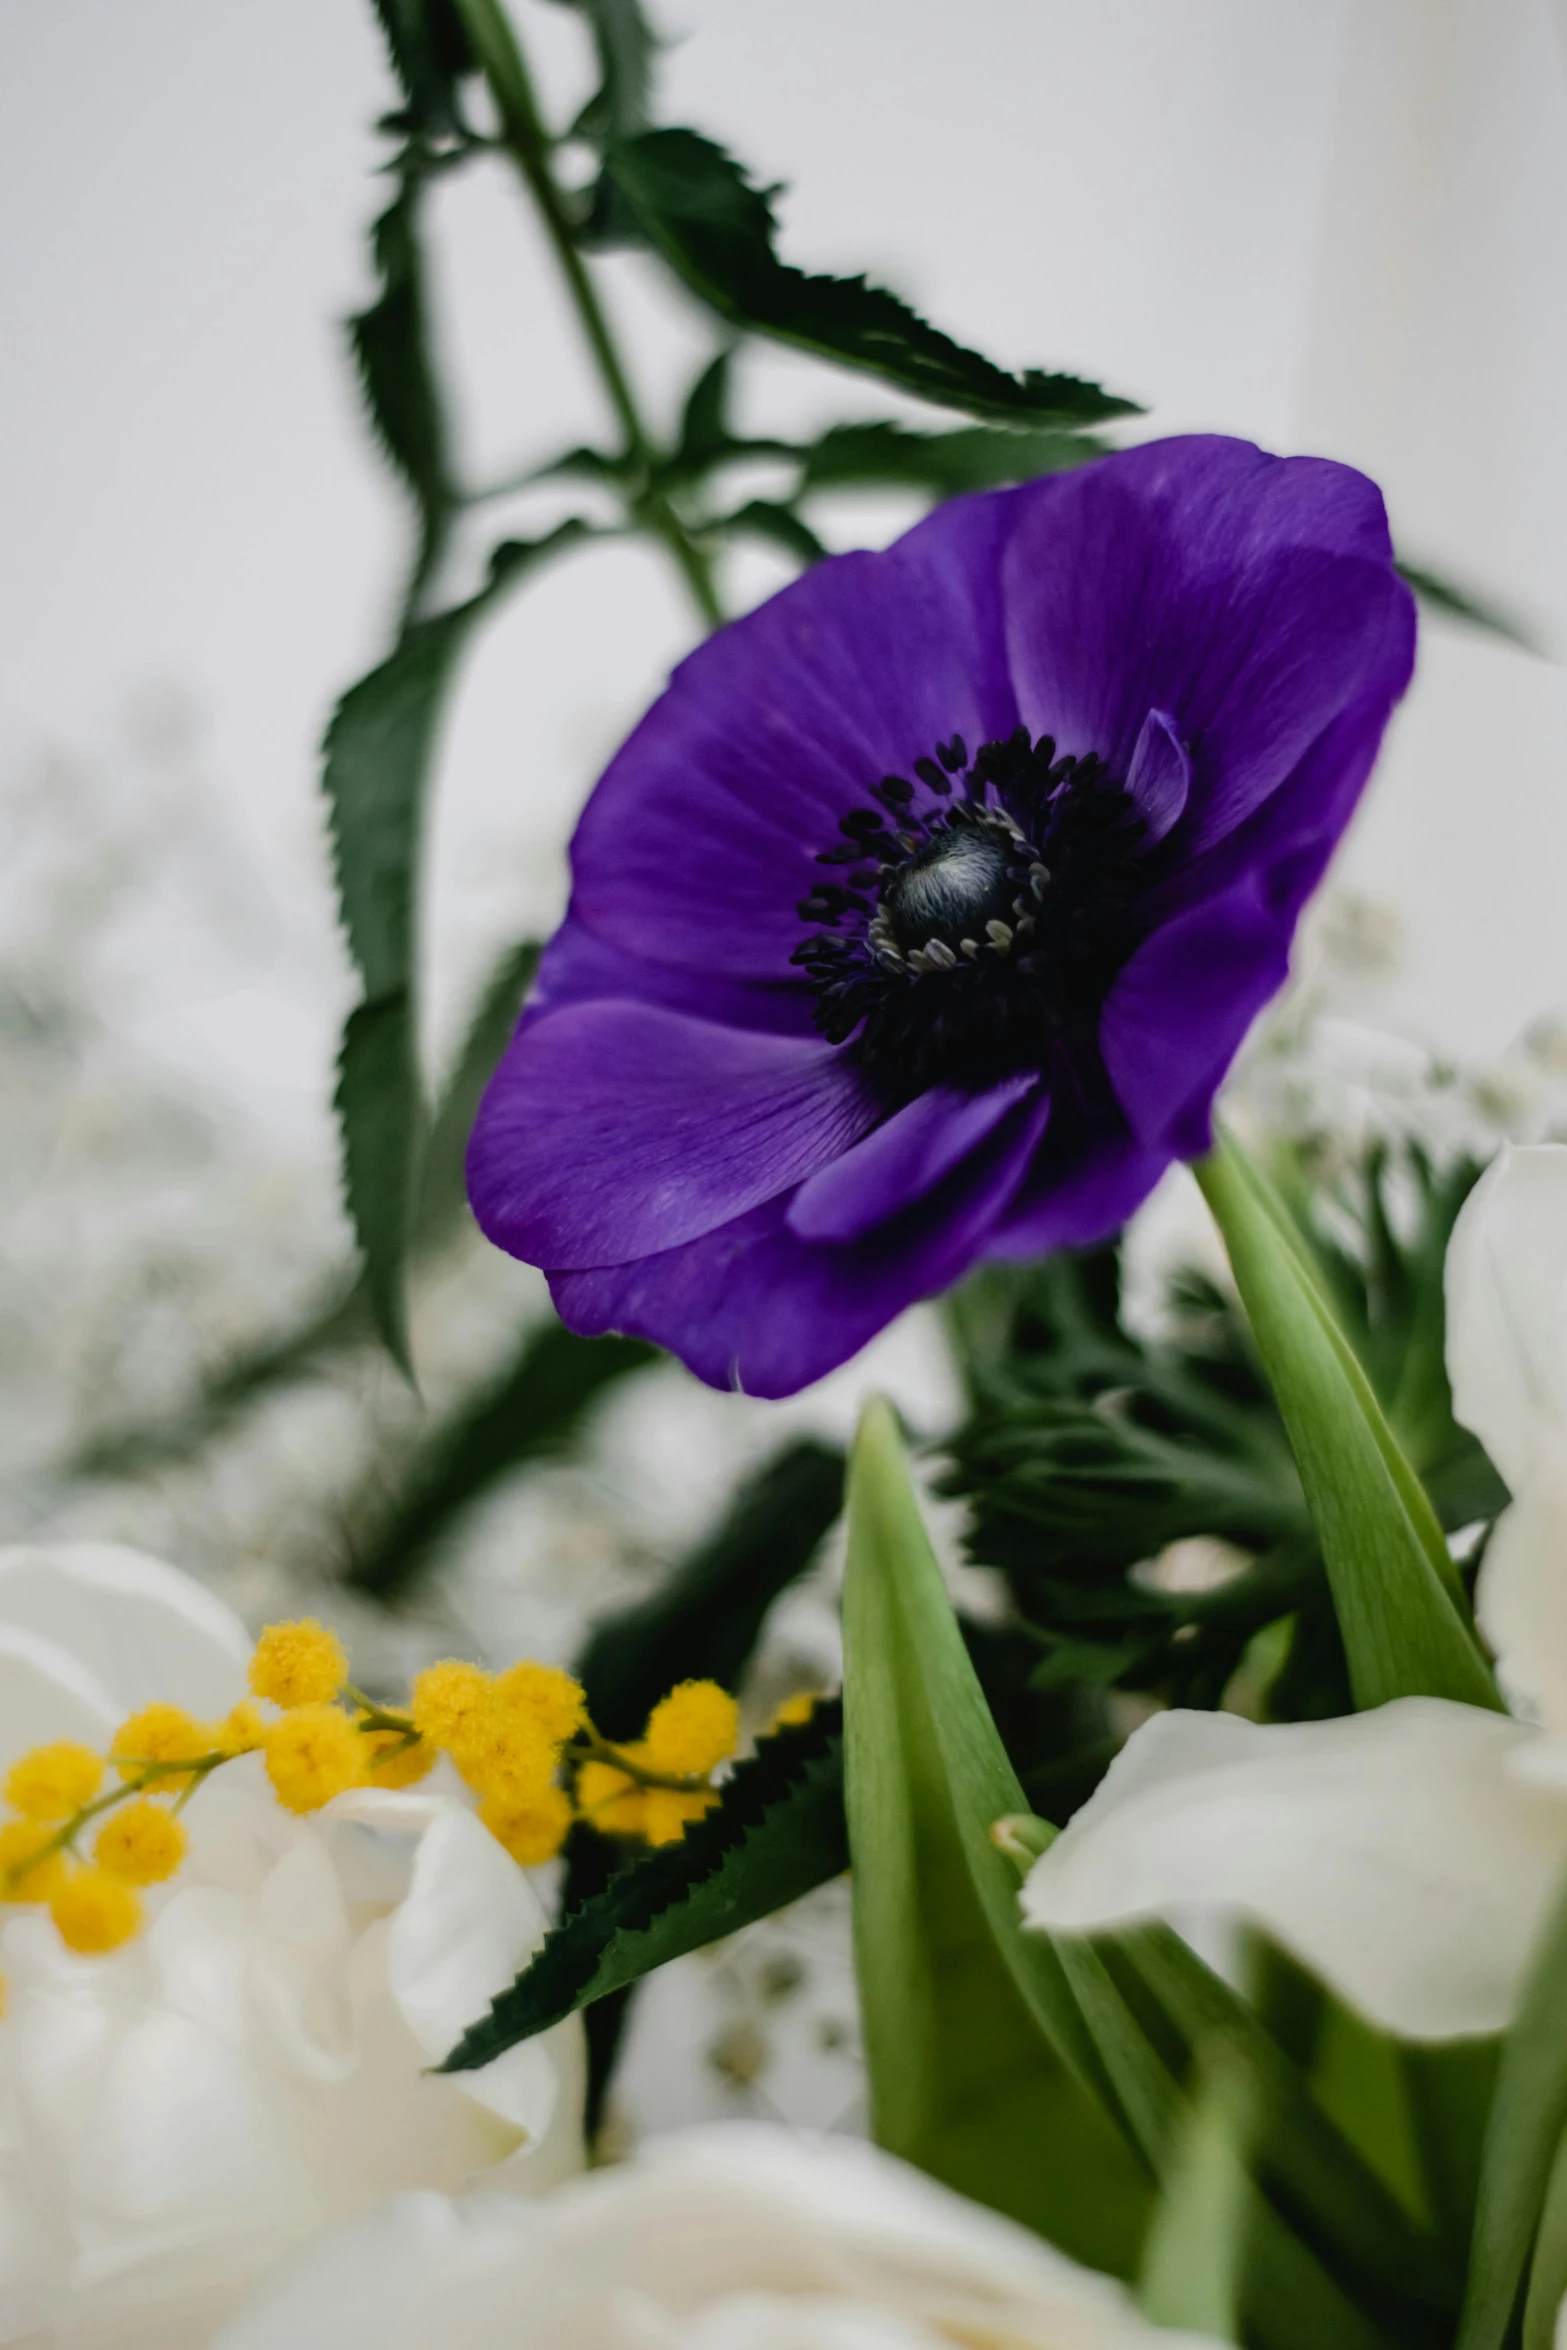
(528, 143)
(599, 1749)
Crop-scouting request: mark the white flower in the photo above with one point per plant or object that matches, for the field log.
(178, 2117)
(740, 2236)
(1408, 1855)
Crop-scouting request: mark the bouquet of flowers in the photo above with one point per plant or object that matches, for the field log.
(1205, 1875)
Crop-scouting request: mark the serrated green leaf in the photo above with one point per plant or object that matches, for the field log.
(704, 421)
(776, 525)
(429, 54)
(703, 1622)
(1400, 1608)
(776, 1834)
(378, 751)
(980, 2066)
(1454, 602)
(625, 45)
(697, 208)
(1527, 2123)
(443, 1189)
(530, 1412)
(392, 353)
(977, 457)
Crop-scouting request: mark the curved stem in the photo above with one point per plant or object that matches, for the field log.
(528, 144)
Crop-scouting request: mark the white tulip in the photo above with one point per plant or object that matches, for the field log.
(178, 2117)
(741, 2236)
(1407, 1855)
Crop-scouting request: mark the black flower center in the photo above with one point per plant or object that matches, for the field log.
(983, 911)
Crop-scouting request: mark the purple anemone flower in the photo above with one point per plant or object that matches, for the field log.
(920, 919)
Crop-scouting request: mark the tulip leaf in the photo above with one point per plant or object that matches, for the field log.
(1528, 2120)
(1399, 1604)
(697, 208)
(981, 2069)
(776, 1834)
(529, 1411)
(1195, 2256)
(378, 751)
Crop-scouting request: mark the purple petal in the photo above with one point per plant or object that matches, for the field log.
(704, 832)
(755, 1307)
(1080, 1190)
(1160, 777)
(1177, 1015)
(612, 1130)
(1249, 597)
(578, 966)
(900, 1161)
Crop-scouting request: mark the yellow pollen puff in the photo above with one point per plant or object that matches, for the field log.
(611, 1800)
(160, 1734)
(395, 1760)
(142, 1842)
(52, 1782)
(694, 1728)
(241, 1730)
(794, 1711)
(531, 1832)
(450, 1703)
(549, 1696)
(24, 1875)
(505, 1753)
(298, 1664)
(668, 1815)
(312, 1754)
(94, 1912)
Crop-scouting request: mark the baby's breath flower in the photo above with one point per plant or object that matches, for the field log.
(531, 1832)
(142, 1842)
(298, 1664)
(160, 1734)
(611, 1800)
(450, 1703)
(553, 1699)
(51, 1782)
(29, 1868)
(94, 1912)
(312, 1754)
(691, 1730)
(241, 1730)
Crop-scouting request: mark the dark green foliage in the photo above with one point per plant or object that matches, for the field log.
(625, 46)
(378, 750)
(776, 525)
(697, 208)
(443, 1189)
(391, 346)
(703, 1623)
(1444, 595)
(429, 52)
(976, 457)
(531, 1412)
(777, 1833)
(1087, 1452)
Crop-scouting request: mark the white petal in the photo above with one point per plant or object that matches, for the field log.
(1521, 1594)
(146, 1631)
(1398, 1853)
(469, 1922)
(1507, 1307)
(298, 1967)
(741, 2234)
(45, 1693)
